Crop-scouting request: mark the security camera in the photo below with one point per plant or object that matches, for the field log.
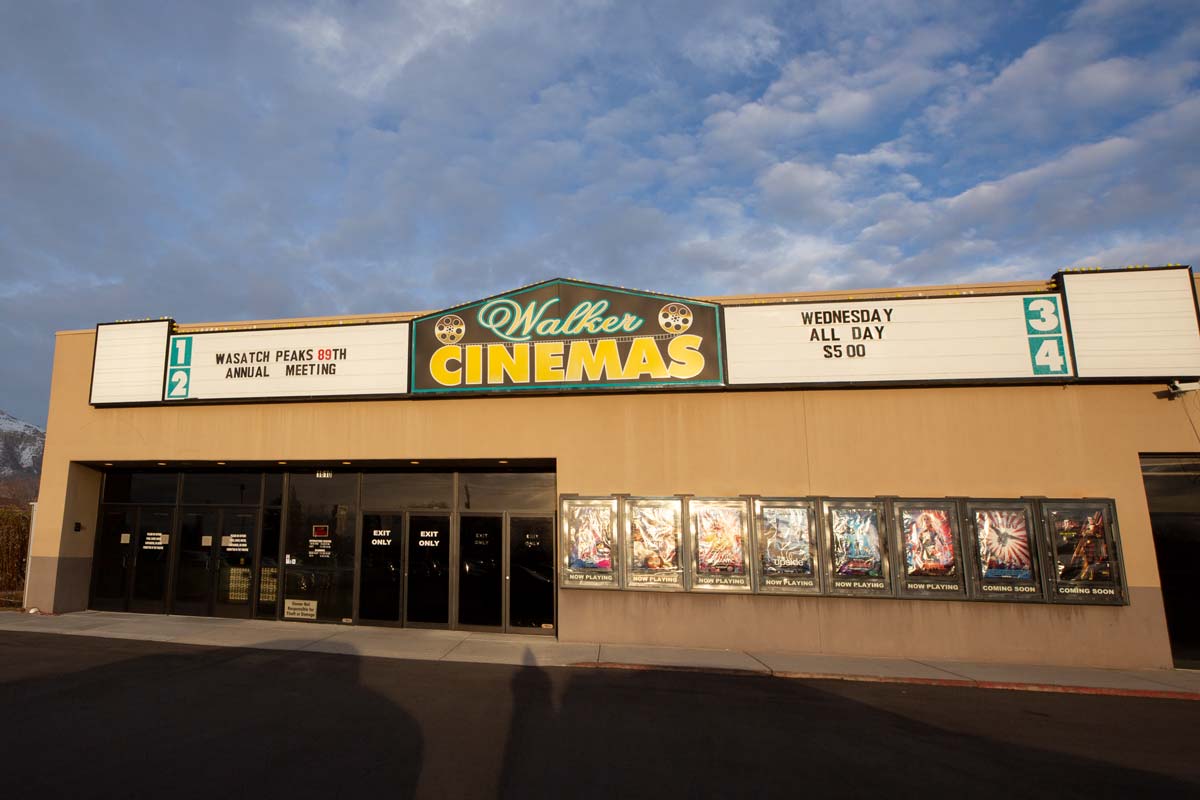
(1183, 387)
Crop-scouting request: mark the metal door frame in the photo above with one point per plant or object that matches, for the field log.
(214, 557)
(451, 570)
(361, 551)
(169, 577)
(223, 513)
(178, 555)
(127, 583)
(552, 518)
(457, 562)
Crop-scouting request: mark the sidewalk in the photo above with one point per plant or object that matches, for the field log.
(516, 649)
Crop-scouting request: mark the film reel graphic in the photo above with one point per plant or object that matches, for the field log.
(675, 318)
(450, 329)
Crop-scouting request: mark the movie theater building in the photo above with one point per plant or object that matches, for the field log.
(1001, 472)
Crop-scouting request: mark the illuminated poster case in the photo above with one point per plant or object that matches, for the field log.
(1002, 553)
(787, 546)
(856, 542)
(719, 535)
(927, 549)
(653, 544)
(590, 545)
(1083, 558)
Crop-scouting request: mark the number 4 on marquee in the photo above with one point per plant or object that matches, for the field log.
(1047, 355)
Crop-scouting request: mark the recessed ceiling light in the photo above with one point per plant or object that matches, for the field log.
(222, 463)
(162, 463)
(345, 462)
(108, 463)
(280, 462)
(414, 462)
(503, 461)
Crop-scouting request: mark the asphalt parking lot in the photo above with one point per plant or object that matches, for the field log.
(94, 717)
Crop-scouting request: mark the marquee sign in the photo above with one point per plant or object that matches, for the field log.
(565, 334)
(326, 361)
(945, 339)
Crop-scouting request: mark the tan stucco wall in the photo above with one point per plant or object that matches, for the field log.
(1068, 441)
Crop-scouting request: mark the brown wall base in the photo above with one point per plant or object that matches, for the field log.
(956, 631)
(59, 585)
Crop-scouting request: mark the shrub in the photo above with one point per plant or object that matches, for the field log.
(14, 544)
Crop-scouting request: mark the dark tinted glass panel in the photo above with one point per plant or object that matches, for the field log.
(480, 570)
(494, 491)
(235, 562)
(1173, 494)
(531, 564)
(268, 572)
(382, 564)
(114, 556)
(153, 541)
(319, 575)
(237, 488)
(198, 529)
(428, 569)
(140, 487)
(397, 490)
(273, 490)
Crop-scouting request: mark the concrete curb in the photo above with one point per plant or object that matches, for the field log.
(963, 683)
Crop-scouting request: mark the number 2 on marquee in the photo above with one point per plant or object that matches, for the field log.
(179, 383)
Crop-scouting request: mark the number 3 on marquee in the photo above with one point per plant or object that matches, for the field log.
(1041, 315)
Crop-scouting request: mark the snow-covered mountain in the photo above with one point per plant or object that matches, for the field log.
(21, 446)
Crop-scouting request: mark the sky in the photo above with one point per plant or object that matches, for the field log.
(213, 161)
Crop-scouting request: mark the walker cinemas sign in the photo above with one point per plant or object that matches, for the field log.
(568, 335)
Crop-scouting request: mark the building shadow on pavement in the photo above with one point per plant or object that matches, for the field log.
(595, 733)
(190, 721)
(89, 717)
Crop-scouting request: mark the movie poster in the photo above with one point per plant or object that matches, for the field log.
(654, 531)
(1083, 552)
(857, 546)
(1004, 549)
(589, 543)
(1003, 539)
(928, 543)
(719, 544)
(787, 548)
(857, 550)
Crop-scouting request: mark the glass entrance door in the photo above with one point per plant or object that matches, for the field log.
(152, 555)
(427, 599)
(234, 558)
(198, 530)
(531, 571)
(114, 559)
(481, 570)
(381, 570)
(216, 562)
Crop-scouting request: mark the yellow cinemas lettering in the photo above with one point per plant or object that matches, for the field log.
(597, 362)
(445, 365)
(578, 361)
(686, 359)
(505, 361)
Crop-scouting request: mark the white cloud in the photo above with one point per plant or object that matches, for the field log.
(363, 53)
(360, 157)
(732, 42)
